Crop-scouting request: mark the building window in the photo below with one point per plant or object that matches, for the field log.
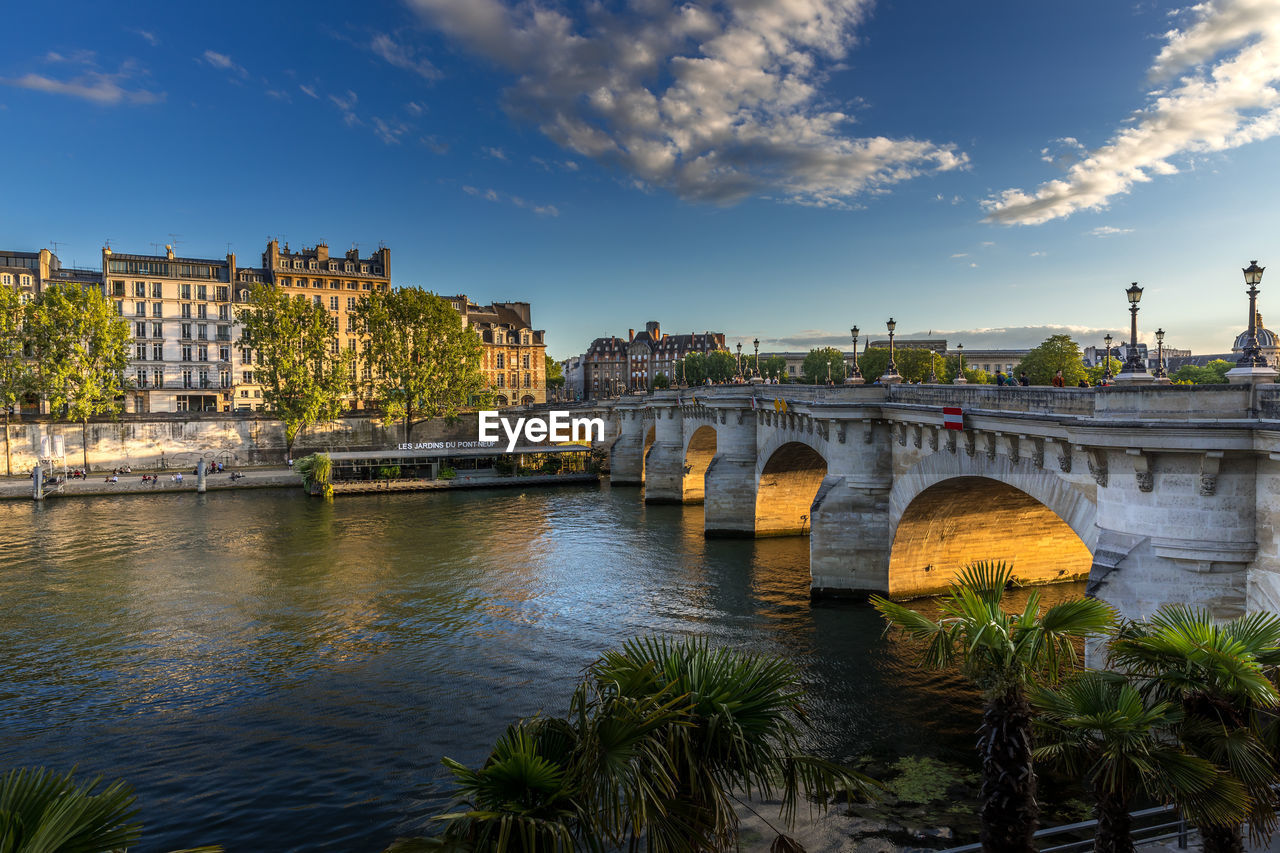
(502, 381)
(221, 293)
(224, 378)
(524, 339)
(184, 291)
(224, 353)
(157, 352)
(333, 303)
(117, 288)
(224, 333)
(142, 377)
(140, 289)
(157, 292)
(202, 311)
(248, 377)
(157, 377)
(157, 309)
(186, 352)
(317, 299)
(186, 380)
(501, 362)
(202, 332)
(246, 356)
(204, 377)
(527, 381)
(526, 362)
(6, 279)
(140, 352)
(186, 310)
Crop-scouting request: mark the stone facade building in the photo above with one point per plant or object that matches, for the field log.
(514, 359)
(612, 366)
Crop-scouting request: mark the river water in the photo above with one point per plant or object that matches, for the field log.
(272, 672)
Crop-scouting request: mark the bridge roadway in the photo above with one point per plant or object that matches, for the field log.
(1154, 494)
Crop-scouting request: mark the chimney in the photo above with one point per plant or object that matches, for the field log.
(654, 330)
(631, 333)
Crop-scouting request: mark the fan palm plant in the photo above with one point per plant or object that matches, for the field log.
(660, 738)
(1097, 727)
(1003, 654)
(1220, 675)
(46, 812)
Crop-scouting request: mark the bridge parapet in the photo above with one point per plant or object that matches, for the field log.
(1176, 402)
(1036, 399)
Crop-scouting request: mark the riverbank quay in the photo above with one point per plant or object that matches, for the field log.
(19, 488)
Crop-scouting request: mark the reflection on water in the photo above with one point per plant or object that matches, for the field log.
(278, 673)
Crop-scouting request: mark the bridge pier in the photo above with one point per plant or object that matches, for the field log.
(729, 505)
(664, 461)
(626, 454)
(850, 542)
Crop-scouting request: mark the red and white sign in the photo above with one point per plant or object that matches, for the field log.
(952, 417)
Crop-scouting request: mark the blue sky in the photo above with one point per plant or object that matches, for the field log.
(994, 172)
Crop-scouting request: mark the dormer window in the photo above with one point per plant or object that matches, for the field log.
(364, 269)
(297, 264)
(348, 268)
(313, 265)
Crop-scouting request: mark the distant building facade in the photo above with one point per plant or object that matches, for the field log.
(573, 369)
(515, 354)
(795, 362)
(612, 366)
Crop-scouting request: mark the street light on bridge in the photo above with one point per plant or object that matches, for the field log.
(1251, 355)
(960, 380)
(891, 376)
(1133, 370)
(1106, 364)
(855, 375)
(1159, 371)
(739, 359)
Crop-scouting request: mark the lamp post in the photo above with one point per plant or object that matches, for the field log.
(855, 375)
(1106, 363)
(1134, 370)
(756, 378)
(891, 376)
(1161, 377)
(933, 368)
(960, 380)
(739, 359)
(1252, 366)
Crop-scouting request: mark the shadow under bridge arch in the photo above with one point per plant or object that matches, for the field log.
(788, 483)
(697, 458)
(963, 520)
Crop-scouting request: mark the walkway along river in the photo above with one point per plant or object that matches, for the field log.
(274, 672)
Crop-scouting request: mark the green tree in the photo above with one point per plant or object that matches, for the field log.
(774, 367)
(1221, 677)
(1213, 373)
(913, 363)
(721, 366)
(555, 373)
(1096, 727)
(46, 812)
(661, 738)
(692, 369)
(1057, 352)
(80, 349)
(1004, 654)
(1094, 374)
(660, 382)
(423, 361)
(971, 375)
(15, 368)
(306, 377)
(823, 364)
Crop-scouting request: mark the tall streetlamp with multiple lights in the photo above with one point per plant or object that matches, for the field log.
(1252, 365)
(855, 374)
(1134, 370)
(891, 376)
(960, 380)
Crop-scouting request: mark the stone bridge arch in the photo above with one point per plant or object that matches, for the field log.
(951, 509)
(699, 449)
(788, 476)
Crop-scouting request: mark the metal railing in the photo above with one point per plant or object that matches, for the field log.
(1157, 825)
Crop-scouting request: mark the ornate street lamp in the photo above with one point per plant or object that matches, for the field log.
(756, 372)
(1106, 364)
(739, 359)
(1159, 371)
(855, 375)
(1251, 356)
(960, 380)
(1133, 367)
(891, 371)
(933, 368)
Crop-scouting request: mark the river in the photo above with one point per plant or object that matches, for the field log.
(273, 672)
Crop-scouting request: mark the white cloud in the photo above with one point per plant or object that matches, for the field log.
(389, 131)
(149, 36)
(95, 86)
(1231, 102)
(1038, 254)
(1108, 231)
(495, 153)
(415, 108)
(716, 103)
(403, 56)
(309, 91)
(222, 62)
(347, 103)
(277, 94)
(495, 196)
(960, 255)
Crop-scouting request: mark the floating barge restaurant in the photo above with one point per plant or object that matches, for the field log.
(445, 467)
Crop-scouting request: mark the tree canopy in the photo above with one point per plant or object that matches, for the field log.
(822, 364)
(1213, 373)
(555, 373)
(306, 377)
(913, 363)
(422, 362)
(15, 368)
(721, 366)
(80, 349)
(1057, 352)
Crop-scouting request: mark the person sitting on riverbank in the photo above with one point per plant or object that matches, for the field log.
(113, 479)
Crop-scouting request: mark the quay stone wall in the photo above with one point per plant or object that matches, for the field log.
(179, 441)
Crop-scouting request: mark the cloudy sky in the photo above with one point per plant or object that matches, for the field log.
(783, 169)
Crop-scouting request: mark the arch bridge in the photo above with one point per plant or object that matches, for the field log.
(1152, 493)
